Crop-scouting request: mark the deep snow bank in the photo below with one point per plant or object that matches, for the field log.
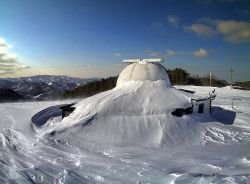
(138, 113)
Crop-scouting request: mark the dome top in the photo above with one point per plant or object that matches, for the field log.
(143, 70)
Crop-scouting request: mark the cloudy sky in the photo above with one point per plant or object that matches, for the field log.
(87, 38)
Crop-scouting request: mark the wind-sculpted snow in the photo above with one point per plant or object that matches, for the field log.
(137, 113)
(128, 135)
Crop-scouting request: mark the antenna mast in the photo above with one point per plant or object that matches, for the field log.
(231, 77)
(154, 60)
(210, 78)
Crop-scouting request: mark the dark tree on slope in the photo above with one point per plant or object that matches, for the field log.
(215, 81)
(244, 85)
(194, 80)
(178, 76)
(7, 95)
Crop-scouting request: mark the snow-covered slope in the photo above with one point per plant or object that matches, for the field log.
(128, 135)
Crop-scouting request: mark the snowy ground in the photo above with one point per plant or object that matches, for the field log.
(214, 151)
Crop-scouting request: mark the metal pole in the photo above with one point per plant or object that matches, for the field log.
(231, 77)
(210, 75)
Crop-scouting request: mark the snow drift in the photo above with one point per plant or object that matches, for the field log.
(138, 113)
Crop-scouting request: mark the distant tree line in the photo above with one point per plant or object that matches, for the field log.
(92, 88)
(244, 85)
(177, 76)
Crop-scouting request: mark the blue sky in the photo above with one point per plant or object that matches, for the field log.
(90, 38)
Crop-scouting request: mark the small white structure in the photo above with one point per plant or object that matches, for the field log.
(143, 69)
(203, 105)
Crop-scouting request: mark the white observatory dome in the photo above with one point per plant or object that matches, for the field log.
(143, 70)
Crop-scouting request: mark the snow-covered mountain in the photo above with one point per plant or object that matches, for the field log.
(42, 86)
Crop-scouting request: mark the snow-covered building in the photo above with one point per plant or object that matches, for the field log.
(143, 109)
(203, 105)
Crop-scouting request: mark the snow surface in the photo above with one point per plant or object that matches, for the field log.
(128, 135)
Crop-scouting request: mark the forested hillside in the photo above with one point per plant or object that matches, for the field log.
(92, 88)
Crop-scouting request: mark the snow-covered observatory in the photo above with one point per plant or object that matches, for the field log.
(143, 69)
(143, 109)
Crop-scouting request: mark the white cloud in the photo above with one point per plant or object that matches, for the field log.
(200, 53)
(170, 52)
(118, 54)
(9, 63)
(201, 30)
(22, 67)
(8, 58)
(173, 20)
(154, 54)
(197, 53)
(4, 44)
(12, 68)
(232, 31)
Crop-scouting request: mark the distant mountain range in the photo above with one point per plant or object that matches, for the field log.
(48, 87)
(40, 87)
